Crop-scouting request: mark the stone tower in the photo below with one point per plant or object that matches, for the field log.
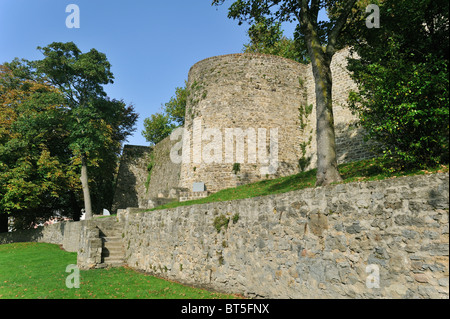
(240, 103)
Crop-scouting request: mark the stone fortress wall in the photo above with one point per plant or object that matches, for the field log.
(131, 178)
(257, 91)
(146, 176)
(253, 93)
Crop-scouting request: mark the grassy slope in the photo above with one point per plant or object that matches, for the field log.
(37, 271)
(367, 170)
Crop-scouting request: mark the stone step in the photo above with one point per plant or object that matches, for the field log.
(119, 251)
(112, 242)
(111, 238)
(115, 239)
(112, 259)
(111, 263)
(113, 251)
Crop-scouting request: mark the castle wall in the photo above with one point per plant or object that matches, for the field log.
(382, 239)
(131, 178)
(262, 96)
(256, 91)
(134, 188)
(165, 174)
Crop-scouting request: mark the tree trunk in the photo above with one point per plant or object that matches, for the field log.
(327, 169)
(85, 185)
(76, 208)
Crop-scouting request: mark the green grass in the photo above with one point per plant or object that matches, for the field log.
(38, 271)
(366, 170)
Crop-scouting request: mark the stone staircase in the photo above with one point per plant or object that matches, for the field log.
(113, 252)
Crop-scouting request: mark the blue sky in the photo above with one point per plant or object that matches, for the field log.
(150, 44)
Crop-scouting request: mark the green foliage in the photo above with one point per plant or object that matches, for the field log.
(176, 107)
(35, 169)
(235, 218)
(160, 125)
(221, 221)
(236, 168)
(304, 112)
(80, 76)
(269, 39)
(402, 76)
(53, 111)
(266, 15)
(157, 127)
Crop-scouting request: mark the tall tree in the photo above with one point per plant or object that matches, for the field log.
(321, 39)
(80, 77)
(176, 107)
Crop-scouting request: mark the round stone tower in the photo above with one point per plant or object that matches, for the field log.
(242, 120)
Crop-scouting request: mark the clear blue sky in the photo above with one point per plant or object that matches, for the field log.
(150, 44)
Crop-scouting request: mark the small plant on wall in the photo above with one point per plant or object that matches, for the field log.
(149, 170)
(236, 168)
(221, 221)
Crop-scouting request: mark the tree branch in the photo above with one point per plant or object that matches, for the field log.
(305, 17)
(339, 25)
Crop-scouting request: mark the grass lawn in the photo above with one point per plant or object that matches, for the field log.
(38, 271)
(366, 170)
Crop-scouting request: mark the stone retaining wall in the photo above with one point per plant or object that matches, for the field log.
(65, 234)
(314, 243)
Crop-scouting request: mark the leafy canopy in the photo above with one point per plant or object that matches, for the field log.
(402, 77)
(172, 115)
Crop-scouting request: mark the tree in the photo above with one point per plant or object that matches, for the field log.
(321, 39)
(157, 127)
(120, 120)
(402, 77)
(80, 77)
(44, 134)
(176, 107)
(172, 115)
(34, 168)
(269, 39)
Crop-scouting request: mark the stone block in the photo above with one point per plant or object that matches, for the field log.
(198, 187)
